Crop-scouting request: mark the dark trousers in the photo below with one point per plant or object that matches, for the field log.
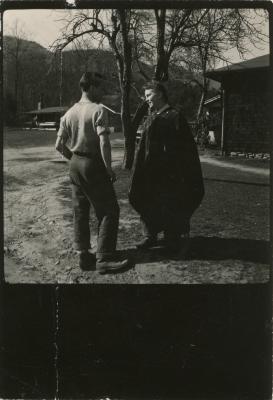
(91, 185)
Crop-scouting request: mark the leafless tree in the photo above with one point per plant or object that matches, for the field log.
(114, 26)
(218, 32)
(15, 51)
(200, 38)
(174, 30)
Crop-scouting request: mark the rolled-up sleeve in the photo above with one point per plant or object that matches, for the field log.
(102, 121)
(63, 131)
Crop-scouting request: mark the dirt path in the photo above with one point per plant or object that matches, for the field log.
(39, 233)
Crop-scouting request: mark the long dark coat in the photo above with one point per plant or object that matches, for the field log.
(167, 184)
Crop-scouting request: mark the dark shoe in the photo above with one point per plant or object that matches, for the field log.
(87, 261)
(147, 243)
(103, 267)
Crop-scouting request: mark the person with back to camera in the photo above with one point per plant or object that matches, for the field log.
(85, 125)
(166, 185)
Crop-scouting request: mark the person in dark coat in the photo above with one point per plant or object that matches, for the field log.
(166, 185)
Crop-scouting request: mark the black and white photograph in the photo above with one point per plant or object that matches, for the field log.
(136, 154)
(136, 146)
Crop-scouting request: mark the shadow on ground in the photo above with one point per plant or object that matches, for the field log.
(215, 248)
(31, 159)
(10, 180)
(63, 193)
(207, 248)
(237, 182)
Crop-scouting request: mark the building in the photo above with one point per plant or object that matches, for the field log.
(48, 117)
(245, 105)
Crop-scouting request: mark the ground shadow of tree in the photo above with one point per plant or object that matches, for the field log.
(63, 194)
(30, 159)
(11, 182)
(250, 183)
(208, 248)
(215, 248)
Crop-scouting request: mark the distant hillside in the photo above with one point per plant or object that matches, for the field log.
(103, 61)
(25, 45)
(34, 74)
(75, 62)
(25, 66)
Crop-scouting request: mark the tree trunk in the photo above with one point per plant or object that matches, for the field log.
(162, 66)
(17, 77)
(16, 84)
(161, 69)
(200, 107)
(124, 67)
(129, 135)
(126, 122)
(202, 99)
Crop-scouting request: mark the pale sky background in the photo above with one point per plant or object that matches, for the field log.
(43, 27)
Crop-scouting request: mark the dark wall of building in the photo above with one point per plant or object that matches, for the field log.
(247, 112)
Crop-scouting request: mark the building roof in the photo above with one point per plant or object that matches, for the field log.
(61, 110)
(49, 110)
(257, 63)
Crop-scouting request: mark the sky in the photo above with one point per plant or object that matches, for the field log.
(43, 27)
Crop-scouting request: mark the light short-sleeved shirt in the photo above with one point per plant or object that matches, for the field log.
(81, 126)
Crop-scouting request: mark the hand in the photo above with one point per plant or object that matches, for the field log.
(112, 175)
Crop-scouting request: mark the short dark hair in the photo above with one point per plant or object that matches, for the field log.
(90, 78)
(157, 87)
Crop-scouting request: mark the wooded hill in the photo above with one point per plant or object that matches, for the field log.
(32, 73)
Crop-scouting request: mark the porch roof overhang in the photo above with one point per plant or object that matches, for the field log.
(261, 64)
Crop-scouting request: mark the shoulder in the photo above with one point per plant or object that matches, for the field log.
(178, 111)
(98, 110)
(177, 117)
(171, 114)
(70, 112)
(180, 116)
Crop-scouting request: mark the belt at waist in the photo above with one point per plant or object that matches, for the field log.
(88, 155)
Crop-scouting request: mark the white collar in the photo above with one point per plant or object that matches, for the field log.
(162, 109)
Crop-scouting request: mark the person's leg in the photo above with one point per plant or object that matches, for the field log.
(151, 220)
(95, 184)
(81, 209)
(175, 221)
(106, 207)
(148, 229)
(177, 238)
(149, 232)
(107, 212)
